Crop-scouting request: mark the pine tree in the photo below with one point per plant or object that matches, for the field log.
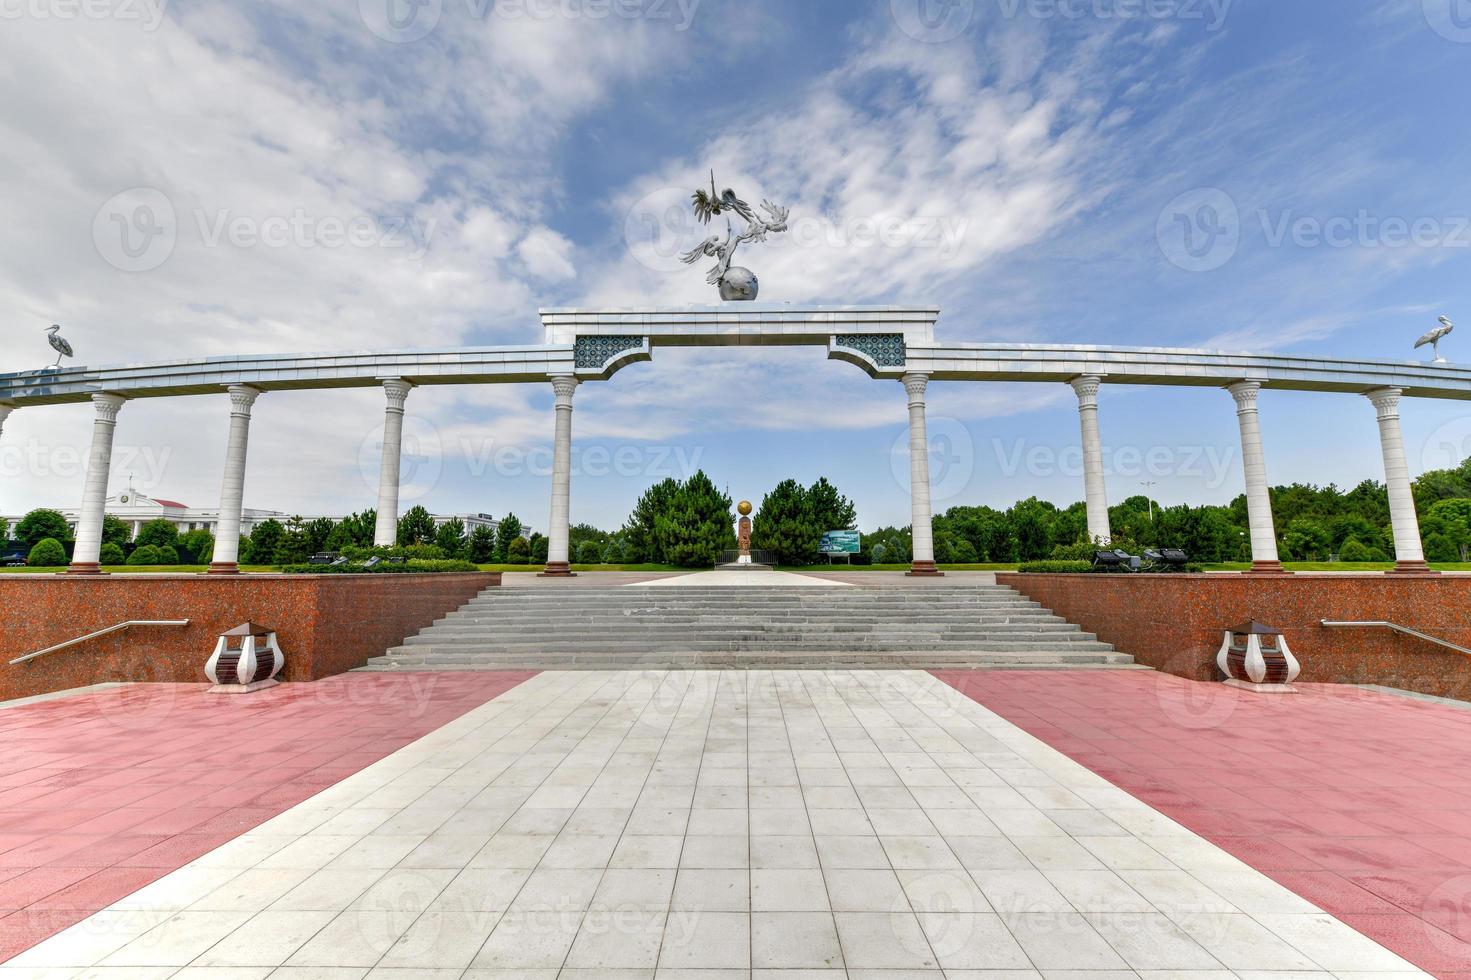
(643, 545)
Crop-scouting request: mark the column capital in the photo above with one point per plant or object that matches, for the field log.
(1385, 401)
(107, 406)
(1086, 386)
(915, 384)
(564, 385)
(242, 397)
(1245, 393)
(397, 390)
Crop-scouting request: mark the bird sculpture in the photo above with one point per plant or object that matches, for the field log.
(734, 282)
(1434, 337)
(59, 344)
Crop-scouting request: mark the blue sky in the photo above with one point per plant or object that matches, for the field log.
(1035, 175)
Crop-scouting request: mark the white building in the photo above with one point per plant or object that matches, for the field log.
(136, 509)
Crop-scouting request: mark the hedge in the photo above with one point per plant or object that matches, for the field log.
(1056, 567)
(421, 566)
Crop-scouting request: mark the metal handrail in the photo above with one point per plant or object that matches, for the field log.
(102, 632)
(1407, 631)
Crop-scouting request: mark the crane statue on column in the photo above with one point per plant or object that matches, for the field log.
(1434, 337)
(59, 344)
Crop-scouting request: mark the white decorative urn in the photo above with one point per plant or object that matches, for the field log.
(246, 658)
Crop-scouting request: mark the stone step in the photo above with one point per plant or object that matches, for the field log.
(914, 660)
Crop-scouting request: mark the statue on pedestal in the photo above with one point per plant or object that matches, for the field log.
(736, 283)
(743, 533)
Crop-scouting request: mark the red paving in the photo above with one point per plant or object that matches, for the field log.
(101, 794)
(1358, 802)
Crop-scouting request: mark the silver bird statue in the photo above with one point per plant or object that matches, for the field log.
(59, 344)
(1434, 337)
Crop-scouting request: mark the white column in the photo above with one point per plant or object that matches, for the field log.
(921, 529)
(232, 492)
(88, 549)
(5, 410)
(1254, 462)
(385, 533)
(1095, 492)
(1409, 552)
(557, 532)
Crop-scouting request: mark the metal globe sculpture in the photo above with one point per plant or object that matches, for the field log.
(736, 284)
(744, 508)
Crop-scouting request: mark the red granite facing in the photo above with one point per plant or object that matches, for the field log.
(1174, 622)
(326, 624)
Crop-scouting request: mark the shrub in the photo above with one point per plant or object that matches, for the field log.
(158, 532)
(417, 565)
(1057, 567)
(41, 524)
(167, 555)
(588, 554)
(146, 555)
(413, 552)
(111, 554)
(47, 553)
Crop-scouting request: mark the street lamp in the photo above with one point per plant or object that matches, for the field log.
(1149, 485)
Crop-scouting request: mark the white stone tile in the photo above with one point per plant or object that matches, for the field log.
(792, 940)
(268, 939)
(971, 941)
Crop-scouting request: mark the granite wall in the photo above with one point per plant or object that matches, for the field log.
(1174, 622)
(326, 624)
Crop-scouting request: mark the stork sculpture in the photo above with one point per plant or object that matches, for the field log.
(1434, 337)
(59, 344)
(734, 282)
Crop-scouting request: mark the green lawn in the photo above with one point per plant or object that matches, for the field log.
(1338, 566)
(138, 569)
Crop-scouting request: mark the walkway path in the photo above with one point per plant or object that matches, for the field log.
(1359, 802)
(743, 824)
(101, 794)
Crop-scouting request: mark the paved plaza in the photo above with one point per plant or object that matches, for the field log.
(695, 824)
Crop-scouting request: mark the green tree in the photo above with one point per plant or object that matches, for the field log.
(145, 555)
(264, 540)
(1353, 550)
(416, 526)
(482, 544)
(643, 546)
(588, 553)
(40, 524)
(318, 533)
(538, 548)
(158, 532)
(353, 531)
(196, 547)
(1307, 540)
(830, 510)
(295, 544)
(784, 525)
(116, 531)
(111, 554)
(1031, 521)
(696, 526)
(518, 552)
(506, 533)
(1449, 519)
(168, 555)
(47, 553)
(450, 536)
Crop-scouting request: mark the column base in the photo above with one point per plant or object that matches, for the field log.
(557, 569)
(1267, 568)
(223, 568)
(85, 568)
(1411, 568)
(924, 569)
